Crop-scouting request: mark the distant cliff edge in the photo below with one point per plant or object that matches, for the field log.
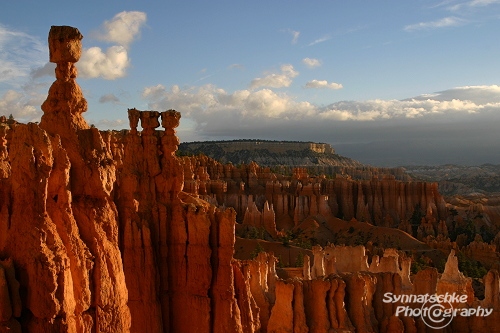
(269, 153)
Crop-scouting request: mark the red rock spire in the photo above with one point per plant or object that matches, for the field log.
(65, 103)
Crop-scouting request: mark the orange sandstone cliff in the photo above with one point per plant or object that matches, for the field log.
(111, 232)
(100, 235)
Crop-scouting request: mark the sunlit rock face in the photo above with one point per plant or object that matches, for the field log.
(95, 224)
(65, 103)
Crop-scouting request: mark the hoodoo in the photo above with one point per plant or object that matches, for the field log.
(65, 103)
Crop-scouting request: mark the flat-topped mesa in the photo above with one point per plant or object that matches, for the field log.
(272, 146)
(65, 103)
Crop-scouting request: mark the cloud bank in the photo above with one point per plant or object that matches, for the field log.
(205, 104)
(461, 116)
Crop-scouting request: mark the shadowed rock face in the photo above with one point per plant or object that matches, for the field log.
(99, 234)
(268, 200)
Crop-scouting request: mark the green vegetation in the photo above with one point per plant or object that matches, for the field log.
(486, 234)
(258, 249)
(299, 262)
(418, 265)
(257, 233)
(280, 262)
(254, 233)
(440, 265)
(295, 239)
(470, 267)
(416, 219)
(467, 229)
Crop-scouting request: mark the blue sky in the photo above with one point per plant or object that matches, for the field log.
(369, 77)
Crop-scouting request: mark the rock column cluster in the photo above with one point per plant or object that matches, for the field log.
(264, 201)
(183, 245)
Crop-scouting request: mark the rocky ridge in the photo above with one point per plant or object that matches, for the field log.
(483, 180)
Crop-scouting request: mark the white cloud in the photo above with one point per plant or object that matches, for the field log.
(109, 65)
(214, 106)
(442, 23)
(20, 53)
(465, 7)
(480, 95)
(477, 3)
(323, 84)
(122, 29)
(19, 105)
(112, 64)
(311, 62)
(372, 110)
(320, 40)
(109, 98)
(295, 36)
(236, 66)
(276, 80)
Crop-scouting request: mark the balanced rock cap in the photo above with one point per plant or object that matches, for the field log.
(65, 44)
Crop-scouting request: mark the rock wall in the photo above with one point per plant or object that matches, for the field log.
(382, 202)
